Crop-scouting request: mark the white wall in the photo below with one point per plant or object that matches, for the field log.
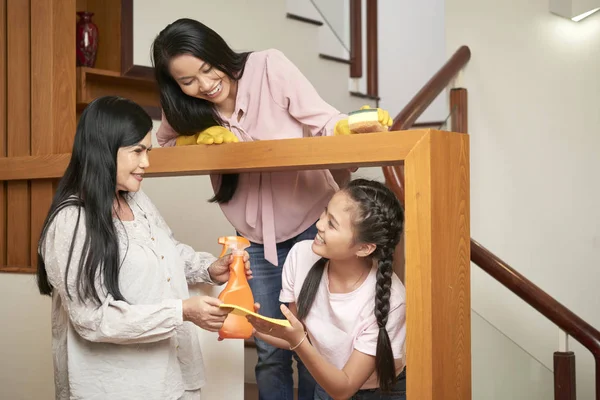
(411, 50)
(503, 370)
(26, 370)
(534, 96)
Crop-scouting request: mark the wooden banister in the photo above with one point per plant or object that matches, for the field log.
(549, 307)
(561, 316)
(419, 103)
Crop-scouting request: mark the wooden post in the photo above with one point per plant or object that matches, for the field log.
(355, 38)
(438, 268)
(564, 376)
(460, 111)
(3, 133)
(372, 50)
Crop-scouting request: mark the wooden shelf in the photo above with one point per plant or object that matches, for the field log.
(94, 82)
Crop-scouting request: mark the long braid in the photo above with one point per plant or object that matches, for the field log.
(380, 221)
(384, 358)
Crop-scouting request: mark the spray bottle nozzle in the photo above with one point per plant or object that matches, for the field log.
(237, 244)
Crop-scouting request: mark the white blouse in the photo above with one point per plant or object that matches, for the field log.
(135, 349)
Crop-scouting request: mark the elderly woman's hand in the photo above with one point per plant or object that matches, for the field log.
(219, 270)
(204, 311)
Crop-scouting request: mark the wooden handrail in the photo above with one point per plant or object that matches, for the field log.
(548, 306)
(560, 315)
(419, 103)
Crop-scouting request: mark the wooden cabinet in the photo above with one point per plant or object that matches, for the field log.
(114, 72)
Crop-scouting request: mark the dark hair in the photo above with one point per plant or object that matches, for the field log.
(186, 114)
(378, 219)
(90, 183)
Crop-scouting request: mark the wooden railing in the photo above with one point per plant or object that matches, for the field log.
(549, 307)
(565, 319)
(419, 103)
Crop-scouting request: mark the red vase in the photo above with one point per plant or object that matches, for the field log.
(87, 40)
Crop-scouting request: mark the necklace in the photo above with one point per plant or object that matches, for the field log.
(351, 288)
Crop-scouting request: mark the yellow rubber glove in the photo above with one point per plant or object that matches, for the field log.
(382, 115)
(217, 135)
(186, 140)
(213, 135)
(342, 128)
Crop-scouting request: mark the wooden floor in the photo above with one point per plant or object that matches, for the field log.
(250, 391)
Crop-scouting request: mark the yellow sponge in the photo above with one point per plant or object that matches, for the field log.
(365, 121)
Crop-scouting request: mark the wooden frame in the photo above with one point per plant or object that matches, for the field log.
(437, 227)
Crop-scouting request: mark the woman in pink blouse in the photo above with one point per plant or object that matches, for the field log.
(211, 94)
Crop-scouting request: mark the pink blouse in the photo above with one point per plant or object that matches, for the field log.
(275, 101)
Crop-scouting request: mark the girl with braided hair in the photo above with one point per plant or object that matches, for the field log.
(347, 308)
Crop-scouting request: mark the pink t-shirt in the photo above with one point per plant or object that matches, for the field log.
(276, 102)
(339, 323)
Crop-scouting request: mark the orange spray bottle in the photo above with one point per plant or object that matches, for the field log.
(237, 291)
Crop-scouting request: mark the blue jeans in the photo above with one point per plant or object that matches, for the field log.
(398, 392)
(274, 367)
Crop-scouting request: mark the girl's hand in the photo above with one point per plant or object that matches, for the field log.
(219, 270)
(293, 335)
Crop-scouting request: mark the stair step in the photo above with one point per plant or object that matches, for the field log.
(303, 19)
(427, 124)
(364, 96)
(333, 58)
